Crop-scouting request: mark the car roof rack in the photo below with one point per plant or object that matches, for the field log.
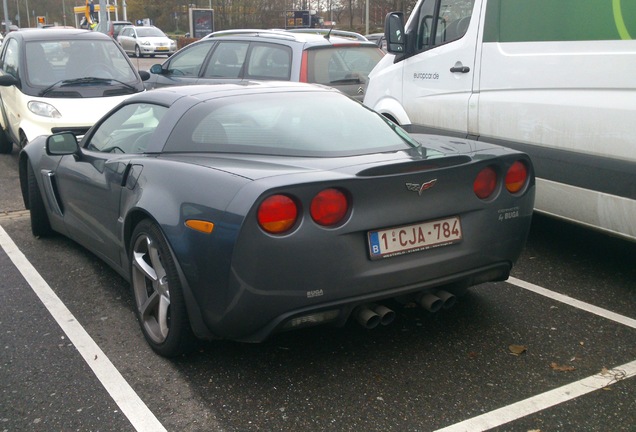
(326, 32)
(250, 32)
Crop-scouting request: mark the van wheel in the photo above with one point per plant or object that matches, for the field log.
(6, 146)
(40, 225)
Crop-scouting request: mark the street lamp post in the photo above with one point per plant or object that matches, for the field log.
(366, 19)
(6, 16)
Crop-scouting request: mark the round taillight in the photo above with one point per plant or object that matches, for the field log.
(277, 214)
(516, 177)
(329, 207)
(485, 183)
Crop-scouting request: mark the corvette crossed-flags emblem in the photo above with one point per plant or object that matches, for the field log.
(419, 188)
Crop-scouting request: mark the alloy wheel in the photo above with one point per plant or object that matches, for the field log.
(151, 288)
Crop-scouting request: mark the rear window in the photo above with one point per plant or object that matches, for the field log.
(338, 64)
(292, 123)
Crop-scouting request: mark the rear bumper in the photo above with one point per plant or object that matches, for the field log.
(249, 321)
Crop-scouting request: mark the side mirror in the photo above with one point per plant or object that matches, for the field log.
(144, 75)
(394, 32)
(156, 69)
(62, 144)
(7, 80)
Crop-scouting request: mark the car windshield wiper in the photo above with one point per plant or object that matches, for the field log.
(85, 80)
(350, 80)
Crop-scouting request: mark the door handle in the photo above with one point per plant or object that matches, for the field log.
(462, 69)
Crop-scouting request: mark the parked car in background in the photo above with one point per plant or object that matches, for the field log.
(237, 55)
(145, 41)
(379, 39)
(112, 28)
(54, 80)
(314, 210)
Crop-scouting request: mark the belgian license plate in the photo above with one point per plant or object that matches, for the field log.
(412, 238)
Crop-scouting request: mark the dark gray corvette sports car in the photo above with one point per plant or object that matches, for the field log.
(237, 211)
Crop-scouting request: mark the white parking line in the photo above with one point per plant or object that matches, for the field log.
(144, 420)
(543, 401)
(128, 401)
(629, 322)
(559, 395)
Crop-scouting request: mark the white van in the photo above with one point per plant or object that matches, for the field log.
(556, 79)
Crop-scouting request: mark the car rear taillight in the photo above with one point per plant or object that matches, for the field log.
(485, 183)
(277, 214)
(516, 177)
(329, 207)
(303, 68)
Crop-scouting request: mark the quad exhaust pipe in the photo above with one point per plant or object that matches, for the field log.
(434, 302)
(370, 316)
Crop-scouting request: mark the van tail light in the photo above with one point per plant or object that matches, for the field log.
(303, 68)
(516, 177)
(277, 214)
(329, 207)
(485, 183)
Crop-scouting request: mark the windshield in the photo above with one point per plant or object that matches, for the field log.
(149, 32)
(321, 124)
(49, 62)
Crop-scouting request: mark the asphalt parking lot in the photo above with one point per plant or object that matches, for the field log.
(552, 349)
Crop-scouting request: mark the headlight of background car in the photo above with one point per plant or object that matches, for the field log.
(43, 109)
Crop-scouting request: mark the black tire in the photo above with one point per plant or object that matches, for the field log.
(40, 225)
(159, 302)
(23, 140)
(6, 146)
(138, 52)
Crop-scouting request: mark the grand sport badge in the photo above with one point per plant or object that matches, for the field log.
(419, 188)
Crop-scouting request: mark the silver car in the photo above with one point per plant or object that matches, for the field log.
(145, 41)
(337, 59)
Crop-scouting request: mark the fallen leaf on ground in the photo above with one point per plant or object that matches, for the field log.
(561, 368)
(517, 350)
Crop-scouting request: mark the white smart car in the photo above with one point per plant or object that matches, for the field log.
(54, 80)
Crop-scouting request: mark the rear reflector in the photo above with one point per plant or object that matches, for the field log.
(311, 320)
(277, 214)
(303, 68)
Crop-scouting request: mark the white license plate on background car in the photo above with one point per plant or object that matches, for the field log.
(412, 238)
